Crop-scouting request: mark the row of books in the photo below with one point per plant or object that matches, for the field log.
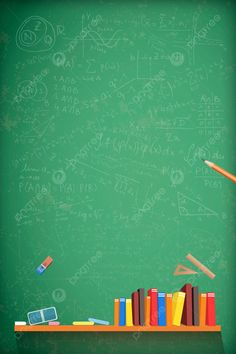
(187, 307)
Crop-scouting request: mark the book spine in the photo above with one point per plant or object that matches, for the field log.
(116, 312)
(195, 306)
(122, 312)
(177, 307)
(141, 307)
(129, 319)
(153, 307)
(187, 318)
(147, 310)
(169, 309)
(161, 301)
(210, 310)
(202, 309)
(135, 308)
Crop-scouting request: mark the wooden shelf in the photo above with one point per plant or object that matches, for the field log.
(97, 328)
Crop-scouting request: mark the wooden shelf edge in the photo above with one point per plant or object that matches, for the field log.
(97, 328)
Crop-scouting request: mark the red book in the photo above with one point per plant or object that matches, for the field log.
(135, 308)
(187, 318)
(210, 310)
(153, 306)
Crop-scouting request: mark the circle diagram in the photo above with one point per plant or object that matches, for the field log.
(177, 58)
(26, 89)
(59, 295)
(58, 59)
(35, 34)
(59, 177)
(176, 177)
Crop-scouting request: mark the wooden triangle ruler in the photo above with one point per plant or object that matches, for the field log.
(182, 270)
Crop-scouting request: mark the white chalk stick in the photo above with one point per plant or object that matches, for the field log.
(20, 323)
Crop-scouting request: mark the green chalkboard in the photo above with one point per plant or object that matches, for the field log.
(107, 108)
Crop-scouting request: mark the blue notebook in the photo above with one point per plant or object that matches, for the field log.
(122, 312)
(161, 303)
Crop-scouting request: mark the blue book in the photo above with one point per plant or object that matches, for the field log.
(122, 312)
(161, 303)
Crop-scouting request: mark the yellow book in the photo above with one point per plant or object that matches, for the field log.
(83, 323)
(129, 319)
(177, 307)
(147, 310)
(202, 309)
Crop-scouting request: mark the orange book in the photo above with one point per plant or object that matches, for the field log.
(169, 309)
(202, 309)
(147, 310)
(116, 312)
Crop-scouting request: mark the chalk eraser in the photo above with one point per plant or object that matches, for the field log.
(46, 263)
(40, 269)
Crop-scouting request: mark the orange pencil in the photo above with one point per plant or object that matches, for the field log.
(221, 170)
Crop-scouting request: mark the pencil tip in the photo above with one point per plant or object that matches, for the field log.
(203, 159)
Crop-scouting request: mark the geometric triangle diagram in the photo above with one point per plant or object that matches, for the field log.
(191, 207)
(40, 128)
(182, 270)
